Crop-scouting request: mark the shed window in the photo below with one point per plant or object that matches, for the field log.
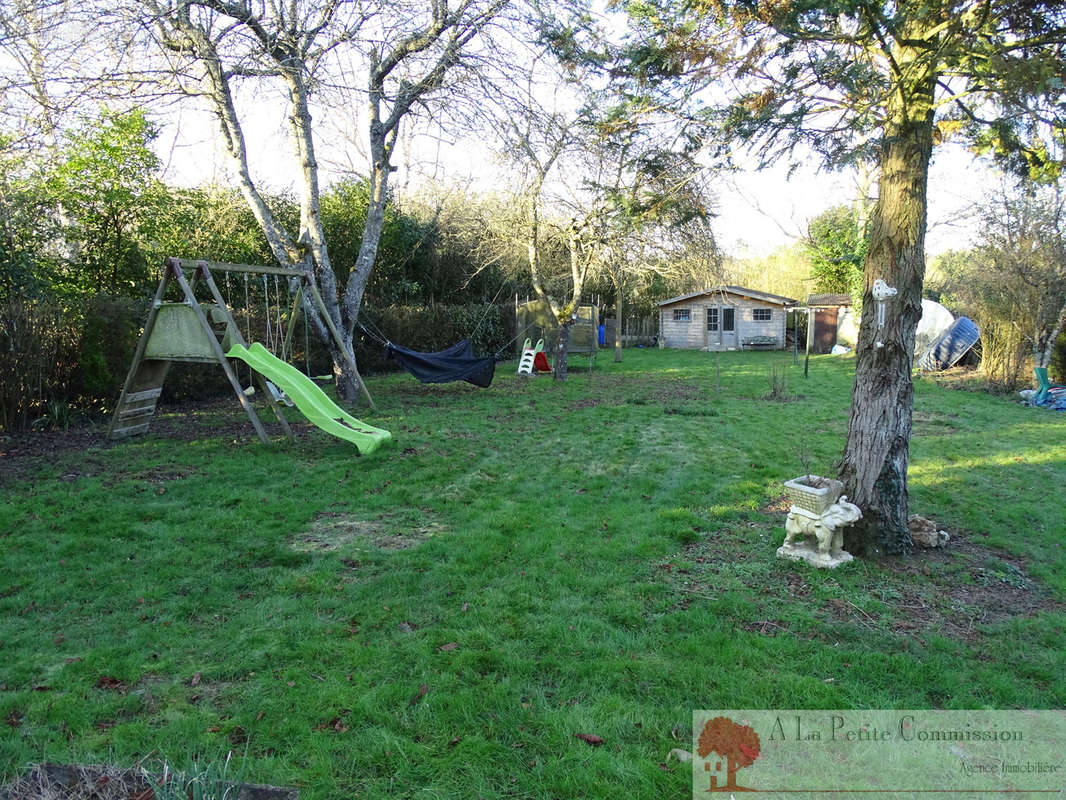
(762, 314)
(712, 319)
(682, 315)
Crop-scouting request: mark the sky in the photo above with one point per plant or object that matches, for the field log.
(761, 211)
(757, 211)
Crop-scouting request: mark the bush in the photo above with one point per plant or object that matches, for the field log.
(108, 337)
(37, 343)
(432, 328)
(77, 357)
(1058, 359)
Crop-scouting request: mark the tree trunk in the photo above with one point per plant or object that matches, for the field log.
(618, 328)
(312, 240)
(876, 455)
(561, 351)
(1044, 345)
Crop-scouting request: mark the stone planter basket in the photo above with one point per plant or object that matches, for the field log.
(815, 500)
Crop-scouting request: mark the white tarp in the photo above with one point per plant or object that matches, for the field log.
(935, 320)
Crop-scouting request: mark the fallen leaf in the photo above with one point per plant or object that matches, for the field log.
(589, 738)
(450, 646)
(111, 683)
(333, 724)
(684, 756)
(455, 741)
(406, 627)
(195, 680)
(260, 715)
(466, 606)
(419, 694)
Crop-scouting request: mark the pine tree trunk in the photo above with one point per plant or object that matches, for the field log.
(875, 460)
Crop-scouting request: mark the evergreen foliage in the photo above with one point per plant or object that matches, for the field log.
(837, 251)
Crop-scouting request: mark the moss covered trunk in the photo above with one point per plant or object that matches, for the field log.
(562, 351)
(875, 460)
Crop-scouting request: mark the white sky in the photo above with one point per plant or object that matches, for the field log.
(761, 211)
(758, 212)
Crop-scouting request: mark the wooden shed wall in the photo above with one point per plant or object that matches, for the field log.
(694, 334)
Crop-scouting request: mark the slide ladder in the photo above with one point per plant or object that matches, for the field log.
(529, 356)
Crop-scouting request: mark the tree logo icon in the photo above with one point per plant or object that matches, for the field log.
(737, 744)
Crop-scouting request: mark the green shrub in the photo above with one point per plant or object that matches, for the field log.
(432, 328)
(36, 343)
(1058, 359)
(108, 337)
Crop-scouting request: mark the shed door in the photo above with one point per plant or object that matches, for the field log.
(721, 327)
(825, 329)
(729, 327)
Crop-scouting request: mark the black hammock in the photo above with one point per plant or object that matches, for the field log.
(456, 363)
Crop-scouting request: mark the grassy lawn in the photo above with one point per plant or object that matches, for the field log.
(523, 564)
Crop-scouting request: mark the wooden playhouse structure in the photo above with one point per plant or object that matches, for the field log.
(534, 321)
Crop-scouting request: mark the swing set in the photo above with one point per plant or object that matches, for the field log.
(190, 331)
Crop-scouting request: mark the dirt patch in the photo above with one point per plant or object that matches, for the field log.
(954, 591)
(780, 504)
(23, 453)
(965, 585)
(333, 531)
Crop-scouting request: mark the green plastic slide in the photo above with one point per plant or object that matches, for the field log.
(311, 400)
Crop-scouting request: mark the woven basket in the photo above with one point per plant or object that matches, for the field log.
(816, 501)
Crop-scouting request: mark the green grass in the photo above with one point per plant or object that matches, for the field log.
(546, 560)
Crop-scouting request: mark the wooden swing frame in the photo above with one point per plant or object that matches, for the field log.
(144, 382)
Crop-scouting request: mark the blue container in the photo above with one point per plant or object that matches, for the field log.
(951, 346)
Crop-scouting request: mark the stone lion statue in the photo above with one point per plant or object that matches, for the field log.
(827, 529)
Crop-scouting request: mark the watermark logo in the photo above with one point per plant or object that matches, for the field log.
(794, 754)
(736, 746)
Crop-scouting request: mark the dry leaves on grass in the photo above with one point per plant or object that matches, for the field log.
(112, 684)
(419, 694)
(335, 724)
(589, 738)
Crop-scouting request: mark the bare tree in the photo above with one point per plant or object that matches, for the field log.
(1020, 266)
(219, 50)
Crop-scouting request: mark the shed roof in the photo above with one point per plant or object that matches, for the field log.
(829, 300)
(741, 291)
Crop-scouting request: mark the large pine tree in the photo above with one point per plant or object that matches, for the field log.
(857, 79)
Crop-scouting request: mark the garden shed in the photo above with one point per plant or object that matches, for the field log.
(835, 322)
(724, 318)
